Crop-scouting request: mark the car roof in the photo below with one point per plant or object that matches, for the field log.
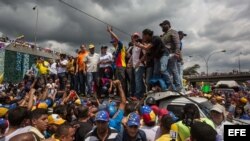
(185, 100)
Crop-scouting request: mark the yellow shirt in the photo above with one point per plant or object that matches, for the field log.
(71, 67)
(42, 68)
(165, 137)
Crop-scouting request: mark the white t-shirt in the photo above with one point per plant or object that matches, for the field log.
(52, 69)
(92, 62)
(220, 129)
(17, 132)
(136, 52)
(106, 57)
(62, 69)
(150, 132)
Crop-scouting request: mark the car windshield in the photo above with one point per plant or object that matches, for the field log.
(206, 107)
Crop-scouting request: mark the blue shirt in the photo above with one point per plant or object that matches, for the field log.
(116, 121)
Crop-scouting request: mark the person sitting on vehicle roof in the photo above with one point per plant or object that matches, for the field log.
(158, 84)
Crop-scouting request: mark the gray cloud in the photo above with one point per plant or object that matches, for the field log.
(210, 24)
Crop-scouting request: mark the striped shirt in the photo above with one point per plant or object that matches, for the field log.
(92, 135)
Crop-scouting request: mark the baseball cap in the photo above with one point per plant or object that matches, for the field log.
(112, 110)
(91, 46)
(148, 114)
(49, 102)
(145, 109)
(163, 112)
(133, 119)
(243, 100)
(3, 111)
(3, 123)
(182, 33)
(42, 105)
(81, 101)
(102, 116)
(165, 22)
(55, 119)
(155, 109)
(218, 108)
(136, 34)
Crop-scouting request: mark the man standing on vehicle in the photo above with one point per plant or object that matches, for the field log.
(119, 58)
(81, 70)
(180, 60)
(91, 61)
(158, 53)
(172, 42)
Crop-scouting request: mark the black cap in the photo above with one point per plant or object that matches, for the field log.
(165, 22)
(182, 33)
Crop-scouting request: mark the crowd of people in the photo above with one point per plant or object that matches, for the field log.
(101, 96)
(148, 63)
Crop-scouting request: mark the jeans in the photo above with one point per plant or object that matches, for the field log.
(131, 80)
(91, 82)
(139, 84)
(149, 74)
(180, 70)
(161, 67)
(172, 68)
(71, 77)
(80, 82)
(62, 81)
(120, 75)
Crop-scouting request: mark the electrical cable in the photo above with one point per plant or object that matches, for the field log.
(91, 16)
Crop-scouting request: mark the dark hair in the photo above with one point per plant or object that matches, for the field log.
(199, 132)
(37, 113)
(166, 122)
(17, 115)
(63, 56)
(70, 108)
(190, 112)
(60, 110)
(242, 109)
(129, 108)
(148, 32)
(62, 130)
(81, 112)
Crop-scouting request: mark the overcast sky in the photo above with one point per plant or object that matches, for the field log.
(211, 25)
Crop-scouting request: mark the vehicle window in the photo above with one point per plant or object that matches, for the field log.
(176, 109)
(206, 107)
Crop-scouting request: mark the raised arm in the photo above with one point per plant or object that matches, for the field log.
(31, 98)
(113, 35)
(143, 46)
(118, 85)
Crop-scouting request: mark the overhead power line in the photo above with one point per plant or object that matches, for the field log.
(91, 16)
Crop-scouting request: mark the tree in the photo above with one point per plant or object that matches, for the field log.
(191, 70)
